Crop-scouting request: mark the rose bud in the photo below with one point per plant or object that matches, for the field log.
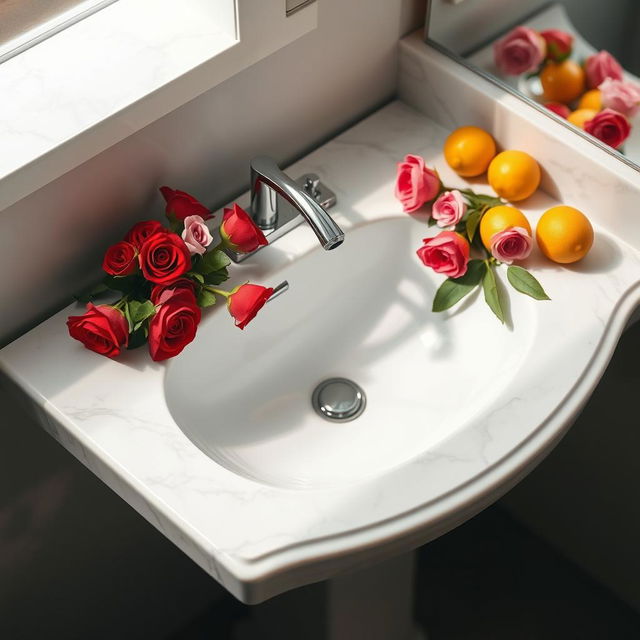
(239, 232)
(196, 235)
(164, 257)
(620, 96)
(103, 329)
(181, 205)
(183, 287)
(511, 244)
(120, 259)
(559, 44)
(447, 253)
(558, 108)
(610, 127)
(173, 327)
(601, 66)
(449, 208)
(141, 231)
(522, 50)
(416, 184)
(245, 301)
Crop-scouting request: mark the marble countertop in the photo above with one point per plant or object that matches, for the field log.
(259, 540)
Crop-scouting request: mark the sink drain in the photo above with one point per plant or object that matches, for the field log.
(338, 399)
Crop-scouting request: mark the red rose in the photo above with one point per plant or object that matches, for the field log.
(141, 231)
(245, 301)
(181, 287)
(102, 329)
(559, 44)
(164, 257)
(180, 205)
(558, 108)
(239, 232)
(120, 259)
(609, 126)
(173, 327)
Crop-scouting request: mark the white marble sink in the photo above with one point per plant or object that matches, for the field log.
(362, 312)
(220, 448)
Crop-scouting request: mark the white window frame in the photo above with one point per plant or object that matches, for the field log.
(84, 89)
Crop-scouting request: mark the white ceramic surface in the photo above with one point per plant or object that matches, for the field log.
(250, 513)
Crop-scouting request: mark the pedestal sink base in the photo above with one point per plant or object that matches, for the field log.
(375, 603)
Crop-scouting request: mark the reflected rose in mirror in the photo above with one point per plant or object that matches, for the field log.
(522, 50)
(620, 96)
(610, 127)
(559, 44)
(599, 67)
(558, 108)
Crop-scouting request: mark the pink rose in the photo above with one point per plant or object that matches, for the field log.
(559, 44)
(511, 244)
(416, 184)
(558, 108)
(449, 208)
(447, 253)
(522, 50)
(620, 96)
(196, 234)
(601, 66)
(610, 127)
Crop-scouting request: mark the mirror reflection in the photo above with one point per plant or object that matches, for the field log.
(580, 59)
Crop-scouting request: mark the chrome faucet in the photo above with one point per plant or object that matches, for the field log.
(278, 204)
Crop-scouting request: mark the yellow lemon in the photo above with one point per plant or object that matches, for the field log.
(514, 175)
(564, 234)
(498, 219)
(580, 116)
(562, 81)
(591, 100)
(469, 150)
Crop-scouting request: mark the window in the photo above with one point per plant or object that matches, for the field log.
(24, 23)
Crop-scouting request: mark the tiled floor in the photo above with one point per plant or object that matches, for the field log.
(490, 579)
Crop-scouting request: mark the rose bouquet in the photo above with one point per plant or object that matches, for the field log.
(164, 276)
(592, 95)
(458, 251)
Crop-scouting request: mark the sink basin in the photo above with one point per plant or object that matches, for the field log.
(361, 312)
(221, 448)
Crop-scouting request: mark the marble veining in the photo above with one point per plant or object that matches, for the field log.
(258, 539)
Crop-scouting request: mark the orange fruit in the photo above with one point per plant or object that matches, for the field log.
(580, 116)
(498, 219)
(562, 81)
(469, 150)
(564, 234)
(592, 99)
(514, 175)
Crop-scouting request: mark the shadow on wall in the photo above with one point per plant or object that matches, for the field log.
(76, 561)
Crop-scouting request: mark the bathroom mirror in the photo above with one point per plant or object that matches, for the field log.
(509, 42)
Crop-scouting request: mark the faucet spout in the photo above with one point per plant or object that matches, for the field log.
(268, 182)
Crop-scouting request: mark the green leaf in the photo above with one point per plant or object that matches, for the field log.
(521, 280)
(124, 284)
(491, 294)
(432, 222)
(453, 290)
(137, 338)
(216, 277)
(215, 260)
(472, 223)
(206, 298)
(196, 276)
(127, 315)
(89, 295)
(140, 311)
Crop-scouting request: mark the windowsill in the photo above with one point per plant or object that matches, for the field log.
(90, 86)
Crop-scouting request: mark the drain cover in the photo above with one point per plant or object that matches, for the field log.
(338, 399)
